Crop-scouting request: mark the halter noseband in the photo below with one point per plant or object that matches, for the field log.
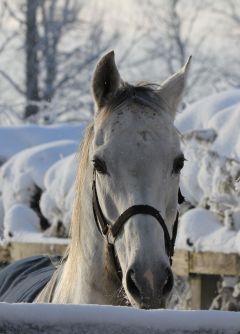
(110, 232)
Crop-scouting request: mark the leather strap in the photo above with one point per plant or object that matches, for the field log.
(100, 220)
(140, 209)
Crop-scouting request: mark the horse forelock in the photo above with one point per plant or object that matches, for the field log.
(143, 94)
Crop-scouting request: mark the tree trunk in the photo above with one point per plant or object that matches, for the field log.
(32, 64)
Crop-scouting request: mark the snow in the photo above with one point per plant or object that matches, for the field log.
(202, 231)
(56, 201)
(220, 112)
(33, 163)
(23, 175)
(28, 223)
(21, 137)
(195, 225)
(46, 318)
(35, 237)
(211, 176)
(197, 115)
(209, 180)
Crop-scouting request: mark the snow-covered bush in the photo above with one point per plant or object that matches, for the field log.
(211, 145)
(23, 175)
(56, 201)
(20, 220)
(210, 183)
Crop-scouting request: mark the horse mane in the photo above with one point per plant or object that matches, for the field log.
(64, 286)
(81, 172)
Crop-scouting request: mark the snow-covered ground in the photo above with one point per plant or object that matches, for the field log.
(39, 318)
(37, 179)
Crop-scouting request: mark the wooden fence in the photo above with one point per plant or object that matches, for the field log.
(203, 269)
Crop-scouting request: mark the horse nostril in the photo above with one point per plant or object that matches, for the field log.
(168, 284)
(132, 286)
(143, 292)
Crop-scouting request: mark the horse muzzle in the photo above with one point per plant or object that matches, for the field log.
(149, 289)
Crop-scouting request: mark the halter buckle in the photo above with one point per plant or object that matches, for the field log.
(109, 236)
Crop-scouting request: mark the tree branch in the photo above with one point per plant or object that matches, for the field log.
(13, 14)
(8, 40)
(13, 83)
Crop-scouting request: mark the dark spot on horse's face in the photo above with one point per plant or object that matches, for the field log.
(10, 234)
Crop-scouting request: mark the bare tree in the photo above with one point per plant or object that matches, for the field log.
(54, 24)
(32, 62)
(228, 12)
(60, 48)
(174, 35)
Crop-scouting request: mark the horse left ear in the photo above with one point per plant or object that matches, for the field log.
(106, 80)
(172, 89)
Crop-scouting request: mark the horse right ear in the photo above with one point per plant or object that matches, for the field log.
(172, 89)
(106, 80)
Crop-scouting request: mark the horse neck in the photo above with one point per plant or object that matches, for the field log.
(84, 277)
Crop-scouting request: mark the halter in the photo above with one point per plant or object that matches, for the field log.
(110, 231)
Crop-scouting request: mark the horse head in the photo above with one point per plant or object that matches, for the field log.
(136, 161)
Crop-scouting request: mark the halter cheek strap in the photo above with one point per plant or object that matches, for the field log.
(111, 231)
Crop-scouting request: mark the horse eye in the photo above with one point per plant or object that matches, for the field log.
(178, 164)
(100, 166)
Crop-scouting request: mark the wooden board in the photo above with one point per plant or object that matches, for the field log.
(19, 250)
(4, 254)
(209, 263)
(184, 262)
(181, 263)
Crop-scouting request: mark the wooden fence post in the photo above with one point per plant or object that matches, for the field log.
(203, 290)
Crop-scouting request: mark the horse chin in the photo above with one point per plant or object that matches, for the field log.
(147, 305)
(150, 306)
